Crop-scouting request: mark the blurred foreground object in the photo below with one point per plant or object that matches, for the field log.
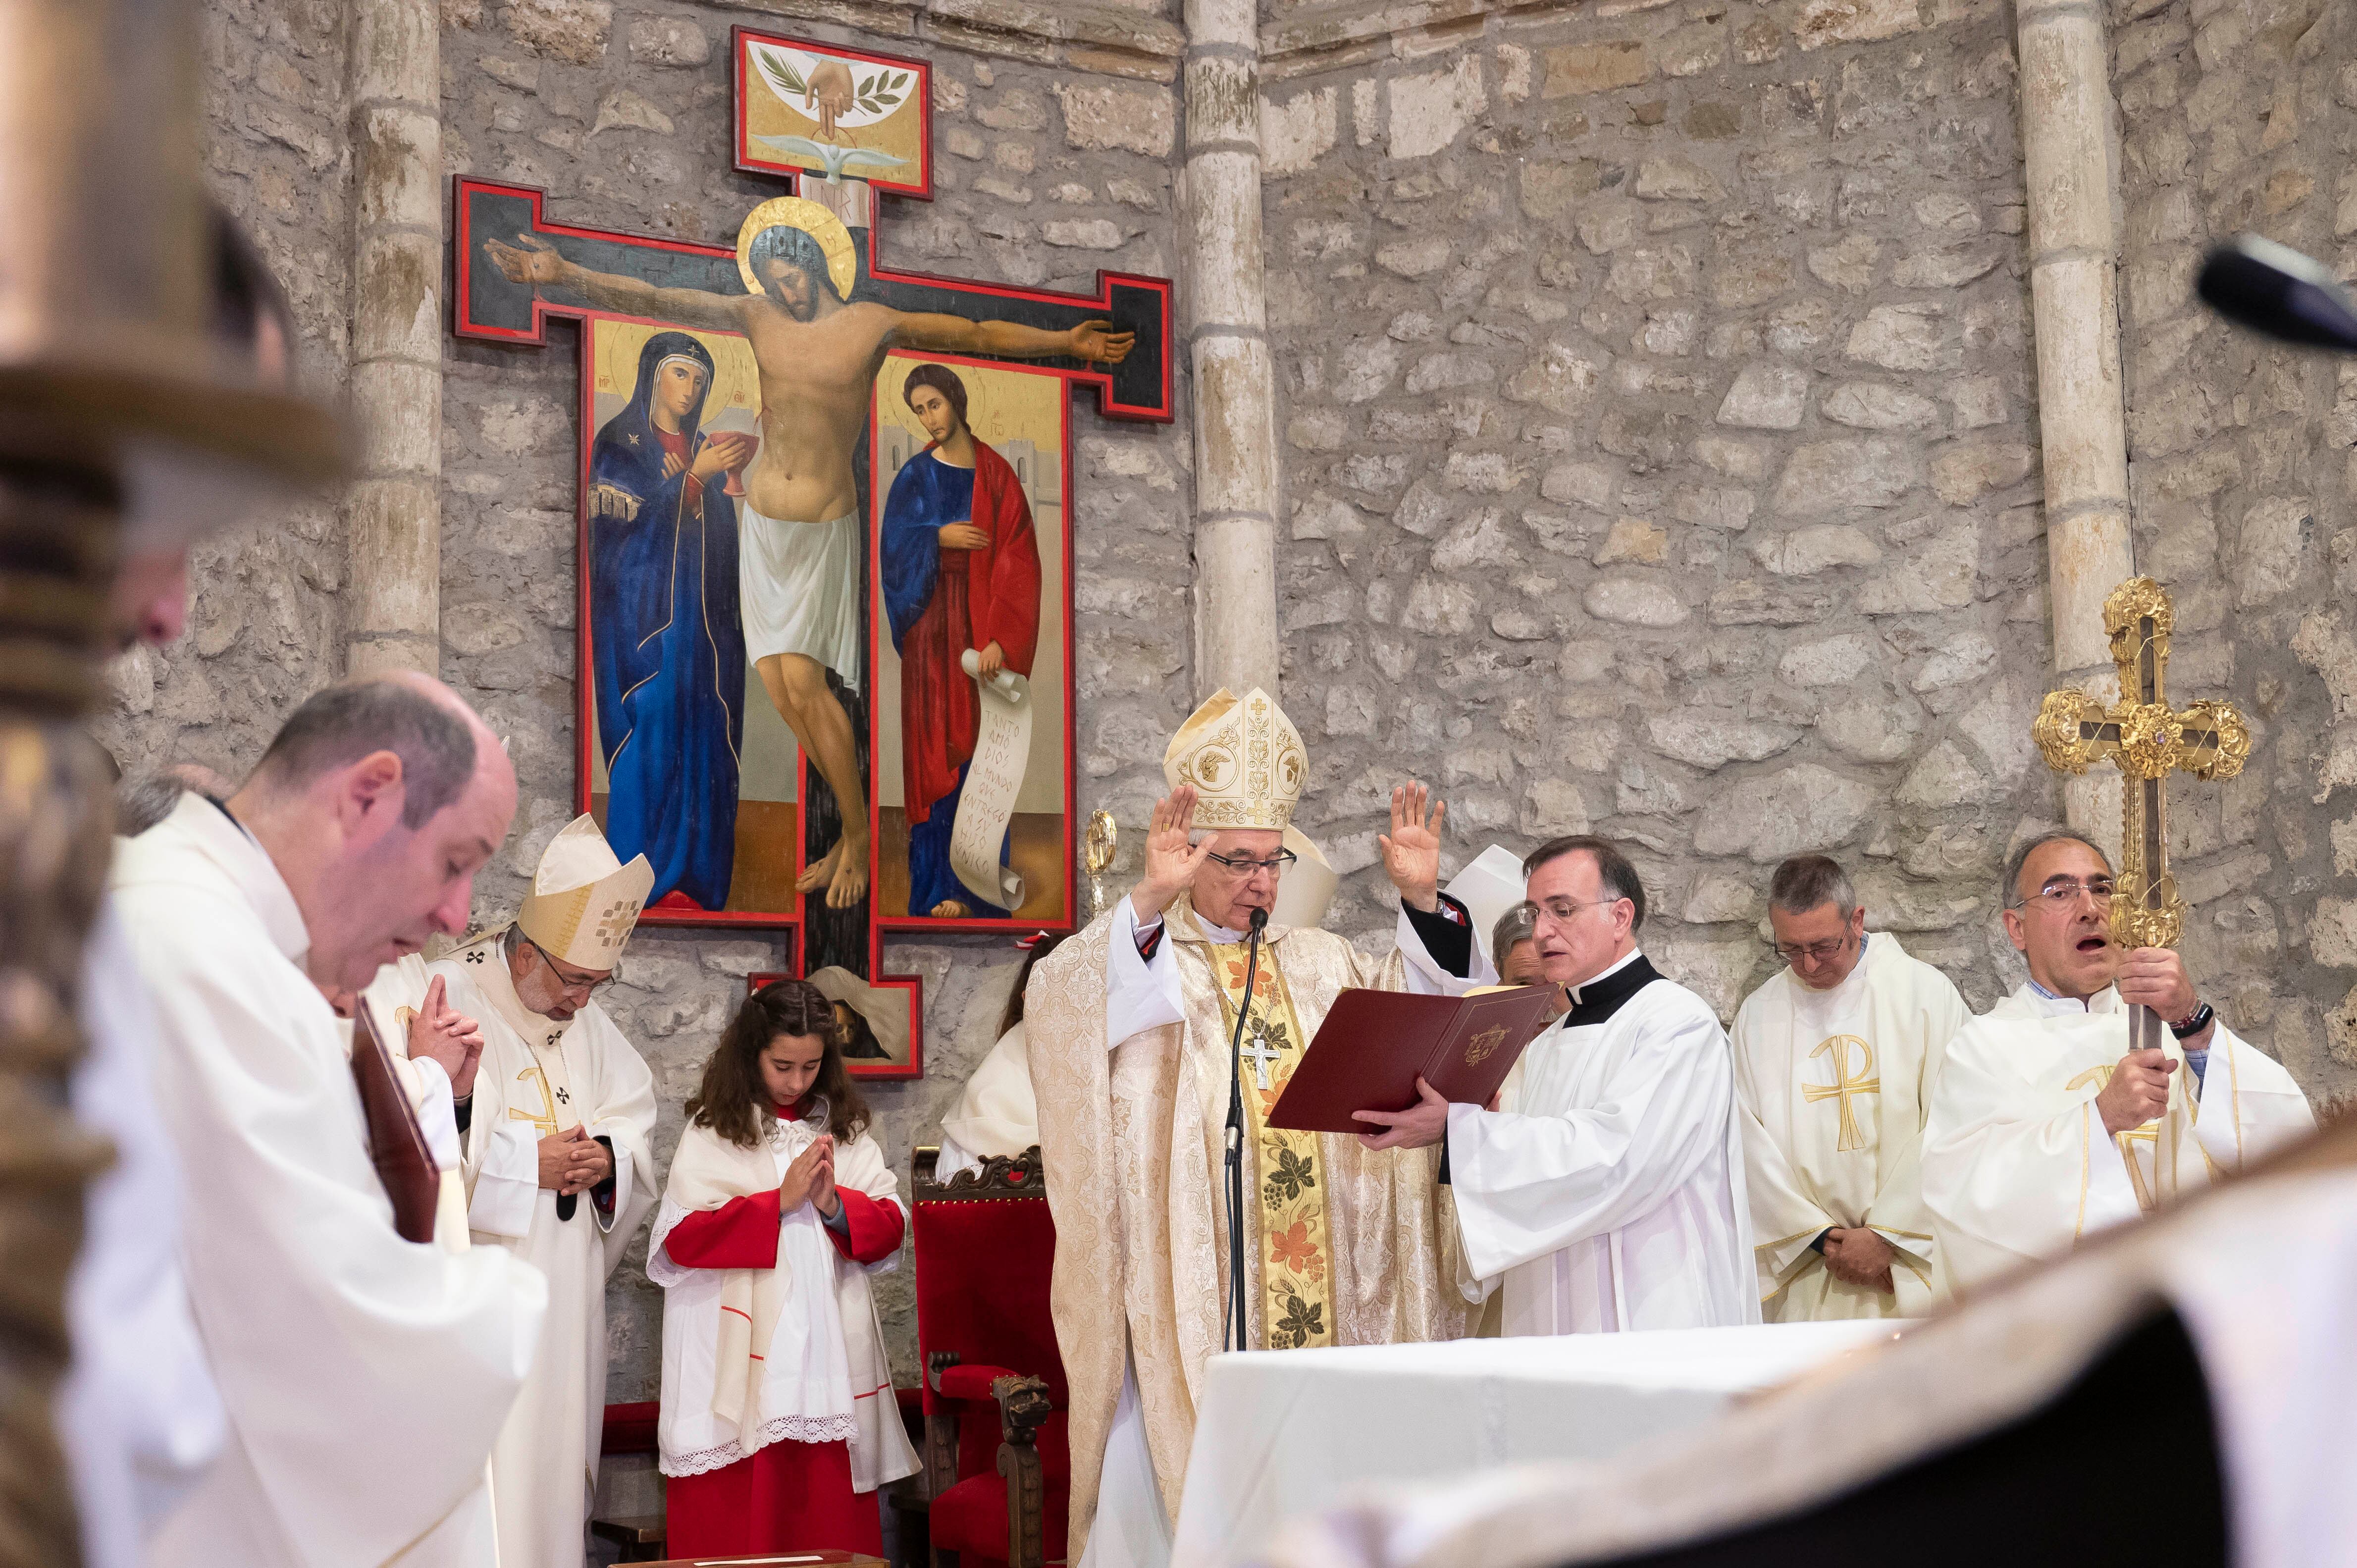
(117, 396)
(2275, 290)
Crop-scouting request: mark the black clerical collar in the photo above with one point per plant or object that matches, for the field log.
(1602, 997)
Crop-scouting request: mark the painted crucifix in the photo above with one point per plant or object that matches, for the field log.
(2148, 740)
(742, 423)
(800, 524)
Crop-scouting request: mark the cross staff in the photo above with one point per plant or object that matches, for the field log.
(2146, 739)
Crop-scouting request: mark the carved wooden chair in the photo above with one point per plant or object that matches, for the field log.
(998, 1468)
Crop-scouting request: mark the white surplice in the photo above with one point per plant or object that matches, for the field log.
(1834, 1086)
(538, 1076)
(997, 1116)
(824, 1376)
(137, 1413)
(1607, 1190)
(2017, 1165)
(365, 1376)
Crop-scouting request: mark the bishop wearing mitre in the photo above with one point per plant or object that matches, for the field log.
(1834, 1061)
(1128, 1027)
(557, 1166)
(2045, 1126)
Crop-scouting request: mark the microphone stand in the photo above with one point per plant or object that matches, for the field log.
(1234, 1335)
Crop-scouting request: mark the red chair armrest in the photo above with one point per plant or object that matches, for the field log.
(972, 1383)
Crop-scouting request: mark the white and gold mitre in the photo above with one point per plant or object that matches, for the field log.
(584, 900)
(1243, 758)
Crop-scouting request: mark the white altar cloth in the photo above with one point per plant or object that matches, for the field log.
(1281, 1434)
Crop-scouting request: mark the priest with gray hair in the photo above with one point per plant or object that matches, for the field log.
(1835, 1060)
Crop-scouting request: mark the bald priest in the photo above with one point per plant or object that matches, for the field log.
(1128, 1026)
(2044, 1126)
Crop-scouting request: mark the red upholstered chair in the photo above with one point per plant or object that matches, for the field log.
(998, 1468)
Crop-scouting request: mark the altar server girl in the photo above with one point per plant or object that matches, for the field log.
(779, 1421)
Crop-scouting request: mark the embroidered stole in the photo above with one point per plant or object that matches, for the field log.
(1296, 1305)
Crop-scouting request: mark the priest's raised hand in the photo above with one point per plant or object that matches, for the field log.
(1412, 849)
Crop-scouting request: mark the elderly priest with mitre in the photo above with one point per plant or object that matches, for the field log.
(2045, 1125)
(557, 1166)
(1129, 1028)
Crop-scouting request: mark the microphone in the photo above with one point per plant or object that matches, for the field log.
(1234, 1333)
(2274, 290)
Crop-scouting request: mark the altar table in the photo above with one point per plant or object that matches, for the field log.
(1280, 1434)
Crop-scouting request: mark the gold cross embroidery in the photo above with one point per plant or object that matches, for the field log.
(547, 1120)
(2101, 1077)
(1846, 1086)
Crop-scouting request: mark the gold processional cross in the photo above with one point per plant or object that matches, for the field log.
(1846, 1084)
(2147, 739)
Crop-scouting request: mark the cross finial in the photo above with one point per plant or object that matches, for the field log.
(2148, 740)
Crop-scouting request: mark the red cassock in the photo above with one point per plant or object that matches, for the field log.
(789, 1496)
(994, 597)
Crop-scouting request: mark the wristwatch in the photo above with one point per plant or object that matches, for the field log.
(2201, 1020)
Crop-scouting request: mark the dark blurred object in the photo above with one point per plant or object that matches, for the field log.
(2274, 290)
(115, 377)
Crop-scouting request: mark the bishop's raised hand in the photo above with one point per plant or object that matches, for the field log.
(1412, 849)
(1170, 861)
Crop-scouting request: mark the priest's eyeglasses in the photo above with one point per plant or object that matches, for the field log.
(2061, 893)
(580, 985)
(1275, 864)
(1815, 952)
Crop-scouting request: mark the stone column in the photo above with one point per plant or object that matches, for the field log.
(2069, 141)
(1225, 302)
(394, 515)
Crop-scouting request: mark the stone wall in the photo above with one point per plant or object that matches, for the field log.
(1663, 454)
(621, 113)
(2243, 117)
(263, 622)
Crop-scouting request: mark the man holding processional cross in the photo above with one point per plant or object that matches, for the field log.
(2067, 1108)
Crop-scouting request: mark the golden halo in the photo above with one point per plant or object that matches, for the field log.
(800, 212)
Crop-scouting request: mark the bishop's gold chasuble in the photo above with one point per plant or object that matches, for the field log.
(1346, 1246)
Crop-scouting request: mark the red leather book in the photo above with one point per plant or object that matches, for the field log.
(396, 1142)
(1376, 1044)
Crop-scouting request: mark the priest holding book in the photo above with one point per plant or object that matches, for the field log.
(1129, 1026)
(1603, 1187)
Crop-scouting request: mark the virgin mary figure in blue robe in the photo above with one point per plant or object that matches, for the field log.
(667, 647)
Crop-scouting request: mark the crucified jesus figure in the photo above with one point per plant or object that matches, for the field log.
(801, 535)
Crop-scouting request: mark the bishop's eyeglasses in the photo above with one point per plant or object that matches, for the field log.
(1275, 864)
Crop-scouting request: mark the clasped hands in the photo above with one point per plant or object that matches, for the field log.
(442, 1034)
(2137, 1091)
(1860, 1257)
(810, 1179)
(573, 1162)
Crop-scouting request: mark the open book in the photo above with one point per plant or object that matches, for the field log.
(1374, 1045)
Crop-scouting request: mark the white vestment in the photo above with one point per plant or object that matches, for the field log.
(2017, 1165)
(798, 589)
(997, 1116)
(1607, 1190)
(823, 1376)
(538, 1076)
(365, 1376)
(138, 1412)
(1834, 1086)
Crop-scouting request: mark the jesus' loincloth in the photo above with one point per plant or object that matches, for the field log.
(798, 589)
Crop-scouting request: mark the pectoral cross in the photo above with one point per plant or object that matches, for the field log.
(2146, 739)
(547, 1120)
(1260, 1053)
(1845, 1085)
